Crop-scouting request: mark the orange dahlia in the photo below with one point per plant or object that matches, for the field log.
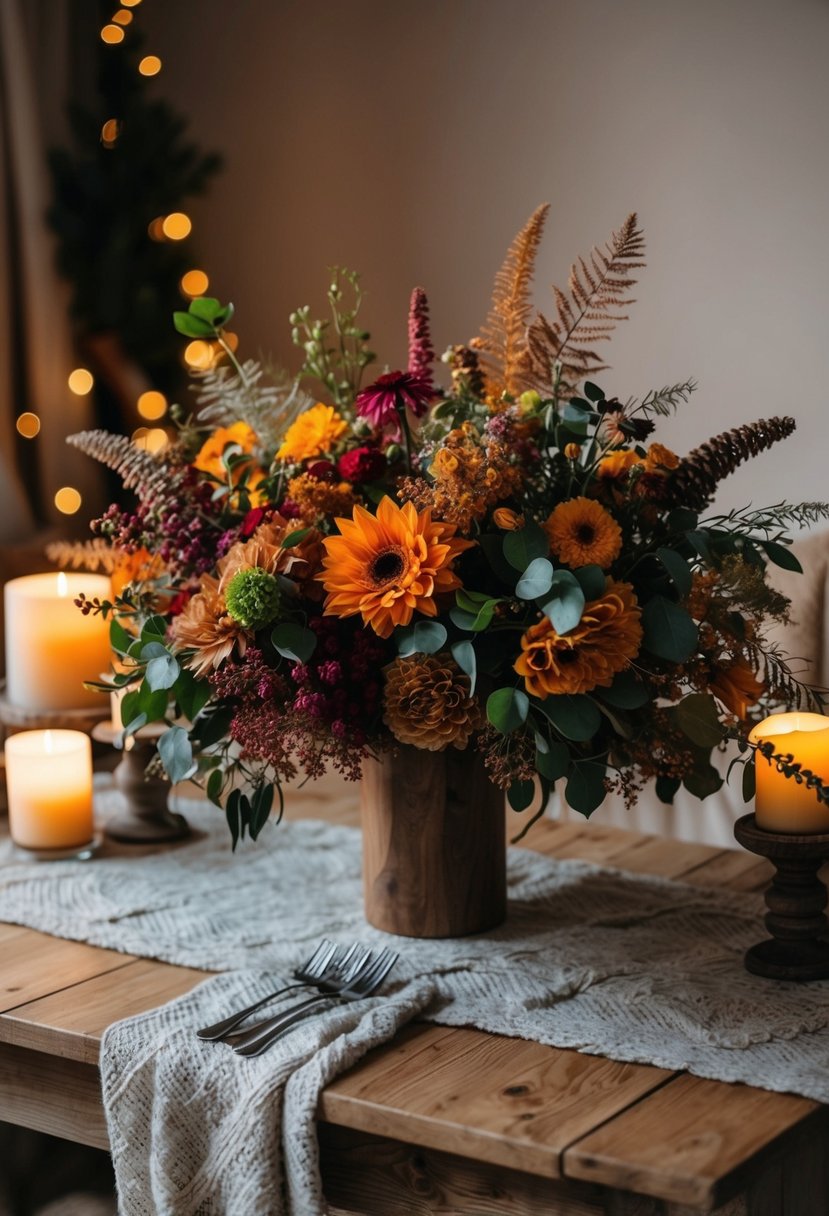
(737, 687)
(300, 562)
(314, 432)
(606, 638)
(426, 702)
(206, 628)
(389, 566)
(583, 533)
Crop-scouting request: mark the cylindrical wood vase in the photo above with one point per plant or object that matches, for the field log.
(434, 844)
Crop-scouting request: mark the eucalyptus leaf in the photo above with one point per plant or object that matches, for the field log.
(666, 788)
(162, 672)
(592, 580)
(574, 715)
(566, 603)
(520, 794)
(191, 694)
(749, 780)
(294, 641)
(536, 580)
(176, 753)
(429, 637)
(553, 763)
(585, 788)
(593, 392)
(507, 709)
(523, 546)
(669, 631)
(462, 619)
(678, 570)
(464, 655)
(697, 718)
(404, 639)
(703, 781)
(626, 692)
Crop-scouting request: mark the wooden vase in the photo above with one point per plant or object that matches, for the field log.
(434, 844)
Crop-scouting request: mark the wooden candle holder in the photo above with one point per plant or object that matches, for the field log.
(145, 817)
(799, 946)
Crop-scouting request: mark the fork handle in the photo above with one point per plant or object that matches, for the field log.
(260, 1037)
(212, 1034)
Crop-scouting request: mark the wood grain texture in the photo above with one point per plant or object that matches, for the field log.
(504, 1101)
(693, 1141)
(47, 1094)
(734, 868)
(434, 844)
(33, 965)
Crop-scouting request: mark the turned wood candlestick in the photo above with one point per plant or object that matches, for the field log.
(145, 817)
(799, 946)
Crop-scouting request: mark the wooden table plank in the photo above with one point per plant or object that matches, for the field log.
(664, 857)
(35, 965)
(504, 1101)
(47, 1094)
(693, 1141)
(734, 868)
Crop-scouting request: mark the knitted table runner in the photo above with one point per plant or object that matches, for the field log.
(615, 964)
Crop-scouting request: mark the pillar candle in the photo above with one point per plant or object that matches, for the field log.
(781, 805)
(49, 783)
(51, 647)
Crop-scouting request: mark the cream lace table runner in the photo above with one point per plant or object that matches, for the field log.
(626, 966)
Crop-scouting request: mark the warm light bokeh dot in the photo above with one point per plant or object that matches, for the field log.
(130, 3)
(111, 34)
(28, 425)
(152, 405)
(194, 283)
(199, 354)
(151, 439)
(232, 340)
(110, 131)
(122, 17)
(68, 500)
(80, 381)
(156, 228)
(150, 65)
(176, 226)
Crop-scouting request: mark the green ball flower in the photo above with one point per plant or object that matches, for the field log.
(253, 597)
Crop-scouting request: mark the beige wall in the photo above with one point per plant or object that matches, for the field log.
(411, 140)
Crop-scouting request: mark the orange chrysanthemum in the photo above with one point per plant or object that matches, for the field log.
(737, 687)
(300, 562)
(389, 566)
(426, 702)
(206, 628)
(583, 533)
(606, 638)
(617, 464)
(660, 457)
(314, 432)
(209, 458)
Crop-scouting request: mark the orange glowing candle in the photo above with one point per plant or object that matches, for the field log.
(781, 804)
(49, 782)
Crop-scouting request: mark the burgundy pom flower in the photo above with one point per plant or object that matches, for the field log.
(395, 391)
(322, 470)
(361, 464)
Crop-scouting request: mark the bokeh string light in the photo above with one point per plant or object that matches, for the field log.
(28, 425)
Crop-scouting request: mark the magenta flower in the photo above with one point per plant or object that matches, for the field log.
(382, 401)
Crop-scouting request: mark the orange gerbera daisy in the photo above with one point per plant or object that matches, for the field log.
(389, 566)
(314, 432)
(606, 638)
(583, 533)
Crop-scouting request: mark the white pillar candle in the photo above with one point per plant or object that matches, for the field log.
(780, 804)
(51, 647)
(49, 784)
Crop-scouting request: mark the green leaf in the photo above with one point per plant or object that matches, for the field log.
(294, 641)
(626, 692)
(507, 709)
(566, 603)
(191, 694)
(162, 672)
(678, 570)
(553, 764)
(572, 714)
(579, 405)
(618, 719)
(404, 638)
(176, 753)
(214, 786)
(592, 581)
(523, 546)
(211, 725)
(703, 781)
(493, 547)
(669, 632)
(192, 327)
(749, 780)
(781, 556)
(697, 717)
(232, 813)
(294, 538)
(585, 789)
(119, 639)
(429, 637)
(464, 655)
(206, 308)
(701, 542)
(520, 794)
(593, 391)
(462, 619)
(536, 580)
(666, 788)
(260, 809)
(154, 629)
(681, 519)
(153, 702)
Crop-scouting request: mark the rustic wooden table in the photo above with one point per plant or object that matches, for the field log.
(451, 1121)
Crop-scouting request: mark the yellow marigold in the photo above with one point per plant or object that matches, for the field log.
(507, 520)
(206, 628)
(583, 533)
(426, 703)
(314, 432)
(606, 638)
(389, 566)
(737, 687)
(660, 457)
(209, 459)
(316, 500)
(617, 463)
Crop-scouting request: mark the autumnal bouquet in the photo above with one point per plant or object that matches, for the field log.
(505, 560)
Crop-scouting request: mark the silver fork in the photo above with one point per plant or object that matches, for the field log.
(365, 981)
(327, 960)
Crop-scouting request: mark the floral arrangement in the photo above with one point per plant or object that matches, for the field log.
(502, 559)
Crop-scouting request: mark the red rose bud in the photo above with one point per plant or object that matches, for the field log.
(252, 521)
(361, 464)
(322, 470)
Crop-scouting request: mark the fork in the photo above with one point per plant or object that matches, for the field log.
(326, 961)
(366, 980)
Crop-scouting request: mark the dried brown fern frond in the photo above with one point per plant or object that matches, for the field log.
(598, 288)
(782, 683)
(503, 339)
(94, 554)
(695, 479)
(139, 470)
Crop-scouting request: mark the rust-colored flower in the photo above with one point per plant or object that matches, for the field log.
(660, 457)
(737, 687)
(583, 533)
(572, 451)
(316, 499)
(606, 638)
(301, 562)
(617, 464)
(426, 702)
(206, 628)
(389, 566)
(507, 520)
(313, 433)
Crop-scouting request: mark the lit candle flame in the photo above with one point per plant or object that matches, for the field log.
(48, 743)
(63, 586)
